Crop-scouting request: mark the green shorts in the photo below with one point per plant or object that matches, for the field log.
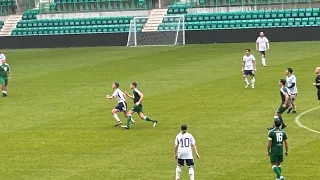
(274, 158)
(3, 81)
(282, 109)
(137, 109)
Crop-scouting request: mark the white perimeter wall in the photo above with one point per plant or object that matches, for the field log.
(93, 14)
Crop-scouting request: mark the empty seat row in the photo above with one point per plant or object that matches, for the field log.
(30, 14)
(76, 22)
(178, 8)
(72, 30)
(315, 12)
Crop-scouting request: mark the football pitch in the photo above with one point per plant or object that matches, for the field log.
(56, 123)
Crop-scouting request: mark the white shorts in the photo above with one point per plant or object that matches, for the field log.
(185, 155)
(294, 96)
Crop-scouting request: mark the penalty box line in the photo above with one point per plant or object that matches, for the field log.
(297, 120)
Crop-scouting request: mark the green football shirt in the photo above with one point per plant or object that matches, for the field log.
(4, 70)
(277, 137)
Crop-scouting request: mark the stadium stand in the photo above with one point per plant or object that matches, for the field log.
(99, 5)
(1, 24)
(30, 14)
(7, 7)
(75, 26)
(248, 19)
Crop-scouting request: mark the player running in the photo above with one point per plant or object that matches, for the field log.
(248, 68)
(137, 99)
(183, 151)
(276, 137)
(292, 87)
(262, 46)
(5, 71)
(317, 81)
(122, 104)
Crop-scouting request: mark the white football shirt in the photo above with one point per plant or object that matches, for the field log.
(119, 95)
(262, 43)
(2, 57)
(248, 62)
(292, 79)
(185, 142)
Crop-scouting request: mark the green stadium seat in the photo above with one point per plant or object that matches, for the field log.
(302, 12)
(276, 22)
(294, 13)
(287, 13)
(290, 21)
(281, 14)
(304, 21)
(283, 22)
(312, 21)
(274, 13)
(261, 14)
(297, 21)
(308, 12)
(315, 12)
(263, 22)
(267, 14)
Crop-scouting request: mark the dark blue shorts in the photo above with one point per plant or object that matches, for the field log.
(262, 52)
(189, 162)
(121, 107)
(248, 72)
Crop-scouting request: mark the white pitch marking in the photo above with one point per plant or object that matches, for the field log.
(305, 127)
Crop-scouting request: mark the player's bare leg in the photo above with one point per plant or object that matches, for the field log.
(115, 115)
(142, 116)
(133, 122)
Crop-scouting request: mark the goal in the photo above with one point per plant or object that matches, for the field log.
(144, 31)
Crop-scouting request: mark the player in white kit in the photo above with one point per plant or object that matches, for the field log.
(2, 57)
(184, 143)
(122, 104)
(262, 46)
(292, 87)
(248, 68)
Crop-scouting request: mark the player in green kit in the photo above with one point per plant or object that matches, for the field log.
(276, 138)
(137, 99)
(285, 102)
(4, 73)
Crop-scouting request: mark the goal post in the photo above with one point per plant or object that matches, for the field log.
(170, 32)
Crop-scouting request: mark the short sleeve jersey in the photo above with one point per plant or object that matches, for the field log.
(290, 80)
(185, 141)
(317, 80)
(248, 62)
(119, 95)
(277, 137)
(283, 92)
(136, 96)
(262, 43)
(2, 57)
(4, 69)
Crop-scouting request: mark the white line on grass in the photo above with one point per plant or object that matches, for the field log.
(305, 127)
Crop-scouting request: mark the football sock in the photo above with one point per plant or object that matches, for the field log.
(253, 80)
(191, 173)
(116, 117)
(128, 121)
(276, 170)
(280, 169)
(264, 61)
(282, 122)
(178, 171)
(246, 80)
(148, 119)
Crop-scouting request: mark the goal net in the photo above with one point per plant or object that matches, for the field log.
(145, 31)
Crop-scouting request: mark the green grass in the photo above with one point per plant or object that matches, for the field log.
(56, 123)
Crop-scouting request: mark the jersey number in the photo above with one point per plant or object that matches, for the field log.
(185, 142)
(279, 137)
